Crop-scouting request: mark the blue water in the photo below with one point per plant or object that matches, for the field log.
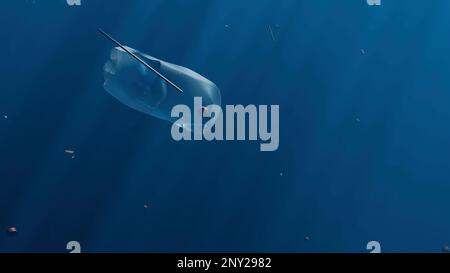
(364, 154)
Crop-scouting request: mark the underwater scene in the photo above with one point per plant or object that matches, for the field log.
(224, 126)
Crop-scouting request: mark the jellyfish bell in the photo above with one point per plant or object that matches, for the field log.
(141, 89)
(11, 231)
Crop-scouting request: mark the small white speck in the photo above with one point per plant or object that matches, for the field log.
(281, 174)
(357, 120)
(5, 116)
(363, 52)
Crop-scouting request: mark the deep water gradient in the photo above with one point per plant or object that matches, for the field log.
(364, 95)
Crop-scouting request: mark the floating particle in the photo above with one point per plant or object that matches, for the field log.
(271, 33)
(374, 2)
(5, 116)
(71, 153)
(227, 26)
(73, 2)
(363, 52)
(357, 119)
(281, 174)
(146, 206)
(446, 249)
(307, 238)
(11, 231)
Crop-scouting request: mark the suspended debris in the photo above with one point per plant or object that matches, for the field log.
(11, 231)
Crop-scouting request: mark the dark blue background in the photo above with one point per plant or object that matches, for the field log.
(364, 149)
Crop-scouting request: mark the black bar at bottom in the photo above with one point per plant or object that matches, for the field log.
(226, 262)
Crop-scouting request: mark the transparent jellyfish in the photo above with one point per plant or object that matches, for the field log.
(139, 88)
